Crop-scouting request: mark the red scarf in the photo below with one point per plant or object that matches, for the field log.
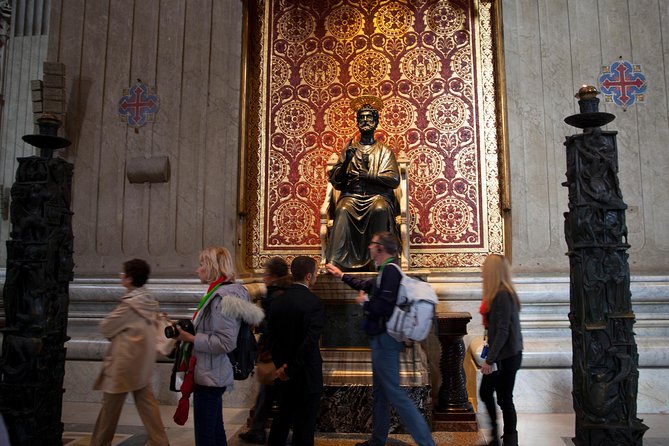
(484, 313)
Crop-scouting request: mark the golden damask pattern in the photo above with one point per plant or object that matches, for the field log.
(319, 70)
(394, 19)
(426, 165)
(445, 18)
(448, 113)
(398, 115)
(420, 65)
(369, 68)
(431, 61)
(344, 22)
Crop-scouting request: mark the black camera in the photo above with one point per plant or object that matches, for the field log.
(183, 324)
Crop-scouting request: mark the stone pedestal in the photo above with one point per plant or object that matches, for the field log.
(454, 412)
(346, 405)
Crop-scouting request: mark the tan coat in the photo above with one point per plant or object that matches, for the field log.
(131, 327)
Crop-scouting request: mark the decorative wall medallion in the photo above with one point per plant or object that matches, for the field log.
(344, 23)
(369, 68)
(444, 18)
(461, 64)
(280, 72)
(622, 83)
(296, 25)
(448, 113)
(465, 163)
(393, 19)
(319, 70)
(311, 168)
(138, 105)
(292, 221)
(451, 216)
(294, 118)
(420, 65)
(397, 115)
(426, 165)
(278, 169)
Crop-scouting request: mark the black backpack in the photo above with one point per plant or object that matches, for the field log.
(243, 357)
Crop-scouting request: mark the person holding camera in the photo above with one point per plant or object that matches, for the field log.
(216, 321)
(128, 363)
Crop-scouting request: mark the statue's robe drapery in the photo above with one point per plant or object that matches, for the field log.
(366, 204)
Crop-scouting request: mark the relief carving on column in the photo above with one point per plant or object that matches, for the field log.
(605, 358)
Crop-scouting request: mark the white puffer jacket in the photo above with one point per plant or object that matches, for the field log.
(216, 333)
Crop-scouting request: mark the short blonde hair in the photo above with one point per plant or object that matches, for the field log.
(496, 274)
(217, 262)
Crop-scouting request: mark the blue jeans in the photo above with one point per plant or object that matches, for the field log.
(386, 390)
(208, 416)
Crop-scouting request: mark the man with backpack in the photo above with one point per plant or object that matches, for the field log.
(378, 307)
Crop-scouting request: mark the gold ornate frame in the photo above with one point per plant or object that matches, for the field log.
(491, 131)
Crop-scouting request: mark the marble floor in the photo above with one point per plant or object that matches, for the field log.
(534, 429)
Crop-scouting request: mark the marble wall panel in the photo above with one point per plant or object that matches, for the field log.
(551, 48)
(22, 64)
(652, 128)
(191, 54)
(142, 61)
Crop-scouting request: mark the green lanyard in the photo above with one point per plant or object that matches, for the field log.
(385, 263)
(204, 299)
(378, 278)
(185, 355)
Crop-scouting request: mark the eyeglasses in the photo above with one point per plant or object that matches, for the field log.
(376, 243)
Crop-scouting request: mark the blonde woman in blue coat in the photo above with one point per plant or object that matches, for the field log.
(216, 321)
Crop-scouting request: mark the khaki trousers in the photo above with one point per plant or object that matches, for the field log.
(110, 412)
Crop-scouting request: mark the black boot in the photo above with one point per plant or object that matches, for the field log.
(510, 439)
(493, 439)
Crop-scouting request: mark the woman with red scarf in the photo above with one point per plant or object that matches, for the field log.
(216, 321)
(500, 308)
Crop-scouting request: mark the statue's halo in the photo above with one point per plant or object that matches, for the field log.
(360, 101)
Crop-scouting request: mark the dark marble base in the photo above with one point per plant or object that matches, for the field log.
(344, 316)
(350, 439)
(455, 421)
(349, 408)
(451, 424)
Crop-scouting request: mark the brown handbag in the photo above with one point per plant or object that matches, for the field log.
(265, 369)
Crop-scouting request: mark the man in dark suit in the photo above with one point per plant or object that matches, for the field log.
(296, 323)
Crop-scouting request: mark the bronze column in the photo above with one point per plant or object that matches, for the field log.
(36, 293)
(605, 358)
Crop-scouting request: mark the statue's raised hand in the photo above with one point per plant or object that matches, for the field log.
(350, 151)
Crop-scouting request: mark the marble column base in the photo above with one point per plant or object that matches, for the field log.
(456, 420)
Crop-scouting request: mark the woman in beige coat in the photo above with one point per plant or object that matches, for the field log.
(128, 363)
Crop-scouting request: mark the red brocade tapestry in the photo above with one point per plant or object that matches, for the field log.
(431, 62)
